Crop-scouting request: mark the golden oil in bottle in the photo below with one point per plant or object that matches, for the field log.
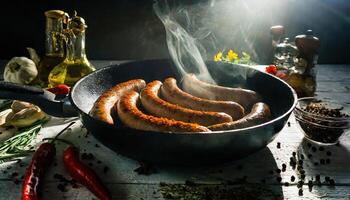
(76, 64)
(54, 44)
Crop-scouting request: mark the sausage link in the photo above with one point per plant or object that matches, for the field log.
(173, 94)
(201, 89)
(104, 104)
(260, 114)
(132, 117)
(160, 108)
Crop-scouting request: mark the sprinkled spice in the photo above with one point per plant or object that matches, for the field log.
(286, 184)
(310, 184)
(327, 178)
(278, 145)
(278, 171)
(322, 161)
(316, 163)
(288, 124)
(314, 149)
(328, 153)
(300, 184)
(328, 161)
(284, 166)
(302, 176)
(294, 153)
(292, 178)
(302, 156)
(300, 192)
(332, 182)
(309, 156)
(279, 179)
(323, 133)
(321, 148)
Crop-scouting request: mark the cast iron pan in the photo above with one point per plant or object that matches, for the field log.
(171, 148)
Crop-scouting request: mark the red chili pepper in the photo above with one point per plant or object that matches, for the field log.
(83, 174)
(34, 174)
(271, 69)
(60, 89)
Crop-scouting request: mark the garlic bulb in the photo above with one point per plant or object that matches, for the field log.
(20, 70)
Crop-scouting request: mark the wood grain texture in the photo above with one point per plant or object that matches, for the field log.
(254, 169)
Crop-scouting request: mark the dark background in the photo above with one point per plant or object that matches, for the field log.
(124, 29)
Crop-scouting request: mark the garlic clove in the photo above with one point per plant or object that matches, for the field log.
(4, 116)
(20, 105)
(27, 117)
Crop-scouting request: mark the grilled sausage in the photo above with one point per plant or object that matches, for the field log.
(171, 93)
(104, 104)
(132, 117)
(201, 89)
(160, 108)
(260, 114)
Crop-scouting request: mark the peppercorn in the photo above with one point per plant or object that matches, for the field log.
(329, 153)
(278, 145)
(310, 184)
(315, 163)
(309, 145)
(292, 178)
(322, 161)
(302, 176)
(300, 162)
(288, 124)
(318, 178)
(327, 178)
(302, 156)
(278, 171)
(328, 161)
(300, 192)
(286, 184)
(321, 148)
(332, 182)
(294, 154)
(284, 166)
(279, 179)
(300, 184)
(314, 149)
(302, 171)
(309, 156)
(271, 172)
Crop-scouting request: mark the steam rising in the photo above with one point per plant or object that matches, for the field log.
(185, 49)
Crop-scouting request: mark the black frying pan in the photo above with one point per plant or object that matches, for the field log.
(158, 147)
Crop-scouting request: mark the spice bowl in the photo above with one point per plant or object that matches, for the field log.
(322, 120)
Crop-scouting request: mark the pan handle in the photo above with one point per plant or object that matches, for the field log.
(46, 100)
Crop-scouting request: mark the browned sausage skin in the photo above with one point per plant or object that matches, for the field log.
(104, 104)
(132, 117)
(260, 114)
(160, 108)
(201, 89)
(171, 93)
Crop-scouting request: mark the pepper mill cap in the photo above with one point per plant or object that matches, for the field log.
(277, 30)
(307, 43)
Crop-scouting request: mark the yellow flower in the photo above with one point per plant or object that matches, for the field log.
(231, 55)
(218, 56)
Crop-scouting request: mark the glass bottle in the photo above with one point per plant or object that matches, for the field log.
(303, 75)
(54, 44)
(76, 64)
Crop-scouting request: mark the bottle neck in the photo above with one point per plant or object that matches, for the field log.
(75, 47)
(54, 45)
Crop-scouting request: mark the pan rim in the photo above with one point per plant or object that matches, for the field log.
(295, 100)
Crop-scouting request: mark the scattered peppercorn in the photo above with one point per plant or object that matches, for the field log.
(14, 174)
(318, 177)
(288, 124)
(105, 169)
(300, 184)
(300, 192)
(300, 162)
(321, 148)
(284, 166)
(190, 183)
(302, 176)
(315, 163)
(97, 145)
(16, 181)
(329, 153)
(278, 145)
(327, 178)
(286, 184)
(294, 153)
(332, 182)
(278, 171)
(99, 162)
(292, 178)
(322, 161)
(314, 149)
(309, 145)
(328, 161)
(279, 179)
(309, 156)
(310, 184)
(271, 172)
(302, 171)
(302, 156)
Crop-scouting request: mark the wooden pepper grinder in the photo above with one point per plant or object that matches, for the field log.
(308, 46)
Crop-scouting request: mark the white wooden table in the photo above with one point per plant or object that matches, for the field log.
(254, 175)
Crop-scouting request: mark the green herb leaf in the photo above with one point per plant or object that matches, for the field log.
(19, 145)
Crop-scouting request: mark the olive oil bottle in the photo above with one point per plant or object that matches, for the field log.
(54, 44)
(76, 64)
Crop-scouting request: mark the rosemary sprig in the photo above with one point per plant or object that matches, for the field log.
(19, 145)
